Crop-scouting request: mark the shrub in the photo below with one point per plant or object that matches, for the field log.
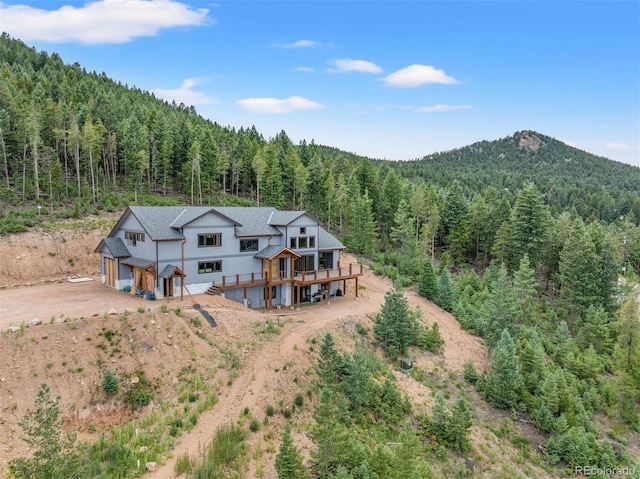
(183, 464)
(299, 400)
(270, 411)
(254, 426)
(110, 383)
(469, 372)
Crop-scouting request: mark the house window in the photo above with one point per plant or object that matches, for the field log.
(133, 238)
(304, 263)
(209, 239)
(302, 242)
(312, 241)
(293, 243)
(325, 260)
(248, 245)
(303, 231)
(209, 266)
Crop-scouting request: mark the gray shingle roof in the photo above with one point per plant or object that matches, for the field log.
(116, 247)
(283, 218)
(170, 270)
(273, 251)
(163, 222)
(253, 221)
(156, 220)
(327, 241)
(188, 214)
(139, 262)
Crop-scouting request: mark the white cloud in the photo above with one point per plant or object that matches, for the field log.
(416, 75)
(298, 44)
(185, 94)
(274, 105)
(104, 21)
(304, 69)
(345, 65)
(440, 108)
(619, 146)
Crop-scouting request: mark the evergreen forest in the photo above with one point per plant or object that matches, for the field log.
(532, 244)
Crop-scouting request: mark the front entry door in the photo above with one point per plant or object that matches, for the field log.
(168, 287)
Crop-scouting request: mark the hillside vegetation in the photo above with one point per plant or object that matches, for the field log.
(533, 245)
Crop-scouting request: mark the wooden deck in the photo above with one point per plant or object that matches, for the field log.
(327, 275)
(299, 278)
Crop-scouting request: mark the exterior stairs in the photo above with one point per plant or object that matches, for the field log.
(214, 290)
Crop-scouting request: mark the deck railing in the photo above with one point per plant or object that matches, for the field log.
(329, 274)
(261, 278)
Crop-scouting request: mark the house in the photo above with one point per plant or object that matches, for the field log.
(256, 255)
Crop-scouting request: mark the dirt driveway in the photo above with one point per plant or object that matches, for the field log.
(74, 300)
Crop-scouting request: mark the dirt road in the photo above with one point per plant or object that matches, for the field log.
(71, 300)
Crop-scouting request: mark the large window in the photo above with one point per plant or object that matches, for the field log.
(248, 245)
(209, 239)
(209, 266)
(304, 263)
(325, 260)
(133, 238)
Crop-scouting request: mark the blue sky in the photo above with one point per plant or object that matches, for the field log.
(395, 80)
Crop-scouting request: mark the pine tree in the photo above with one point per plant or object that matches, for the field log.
(595, 330)
(499, 310)
(456, 209)
(288, 460)
(445, 291)
(395, 326)
(440, 417)
(525, 289)
(532, 359)
(579, 271)
(428, 285)
(361, 234)
(330, 362)
(504, 382)
(530, 224)
(356, 381)
(460, 425)
(390, 204)
(627, 352)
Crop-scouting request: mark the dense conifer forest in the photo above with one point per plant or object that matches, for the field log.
(532, 244)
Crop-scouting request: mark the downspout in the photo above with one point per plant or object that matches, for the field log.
(182, 277)
(157, 271)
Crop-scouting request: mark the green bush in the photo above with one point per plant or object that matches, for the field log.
(299, 400)
(469, 372)
(254, 426)
(110, 383)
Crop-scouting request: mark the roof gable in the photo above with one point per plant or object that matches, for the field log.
(157, 220)
(116, 247)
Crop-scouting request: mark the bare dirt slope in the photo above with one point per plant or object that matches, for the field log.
(270, 371)
(49, 255)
